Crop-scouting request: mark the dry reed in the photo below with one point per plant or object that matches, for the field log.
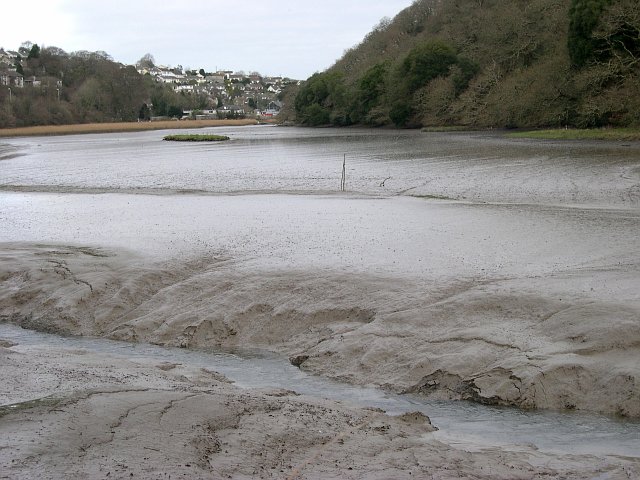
(119, 127)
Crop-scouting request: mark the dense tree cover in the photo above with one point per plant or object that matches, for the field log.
(321, 100)
(81, 87)
(498, 63)
(325, 98)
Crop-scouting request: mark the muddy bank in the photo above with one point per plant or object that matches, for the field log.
(565, 341)
(76, 413)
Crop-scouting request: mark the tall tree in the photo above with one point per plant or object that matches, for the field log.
(34, 52)
(583, 18)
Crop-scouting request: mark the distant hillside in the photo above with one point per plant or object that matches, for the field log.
(487, 63)
(48, 86)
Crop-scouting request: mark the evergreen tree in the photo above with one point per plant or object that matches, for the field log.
(34, 52)
(583, 19)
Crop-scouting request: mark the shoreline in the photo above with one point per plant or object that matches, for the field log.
(602, 134)
(586, 134)
(119, 127)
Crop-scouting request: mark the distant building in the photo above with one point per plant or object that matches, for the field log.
(6, 59)
(237, 77)
(273, 109)
(32, 82)
(231, 111)
(184, 88)
(167, 76)
(11, 78)
(214, 79)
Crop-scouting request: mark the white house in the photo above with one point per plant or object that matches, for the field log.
(184, 88)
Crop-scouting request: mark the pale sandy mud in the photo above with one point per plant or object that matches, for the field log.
(562, 341)
(77, 414)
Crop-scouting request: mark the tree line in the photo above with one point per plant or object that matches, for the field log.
(489, 63)
(83, 87)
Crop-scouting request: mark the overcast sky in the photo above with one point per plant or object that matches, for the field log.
(291, 38)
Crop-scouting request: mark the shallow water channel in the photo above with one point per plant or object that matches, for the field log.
(467, 424)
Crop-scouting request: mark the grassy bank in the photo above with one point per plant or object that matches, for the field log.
(628, 134)
(119, 127)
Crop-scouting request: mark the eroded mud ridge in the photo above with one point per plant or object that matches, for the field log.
(550, 342)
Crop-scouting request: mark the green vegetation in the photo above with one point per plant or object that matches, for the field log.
(625, 134)
(196, 138)
(486, 63)
(84, 87)
(583, 19)
(321, 100)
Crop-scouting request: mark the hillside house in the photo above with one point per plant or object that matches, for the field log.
(11, 78)
(215, 79)
(8, 57)
(32, 82)
(237, 77)
(170, 77)
(184, 88)
(234, 111)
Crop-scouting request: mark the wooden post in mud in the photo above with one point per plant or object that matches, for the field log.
(344, 173)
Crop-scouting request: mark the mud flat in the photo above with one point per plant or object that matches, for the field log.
(533, 324)
(514, 290)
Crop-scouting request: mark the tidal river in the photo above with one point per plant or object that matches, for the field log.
(455, 266)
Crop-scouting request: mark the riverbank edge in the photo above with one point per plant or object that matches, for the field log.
(610, 134)
(120, 127)
(605, 134)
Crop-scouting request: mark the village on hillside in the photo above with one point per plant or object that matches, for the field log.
(232, 94)
(229, 94)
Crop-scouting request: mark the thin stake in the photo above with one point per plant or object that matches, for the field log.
(343, 182)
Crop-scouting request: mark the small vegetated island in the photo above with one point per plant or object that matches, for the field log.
(196, 138)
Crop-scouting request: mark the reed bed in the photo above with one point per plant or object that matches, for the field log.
(85, 128)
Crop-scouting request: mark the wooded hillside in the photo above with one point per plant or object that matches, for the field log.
(487, 63)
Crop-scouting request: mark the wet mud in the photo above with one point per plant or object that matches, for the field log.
(460, 266)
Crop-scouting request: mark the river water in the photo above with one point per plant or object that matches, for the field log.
(421, 206)
(464, 423)
(480, 167)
